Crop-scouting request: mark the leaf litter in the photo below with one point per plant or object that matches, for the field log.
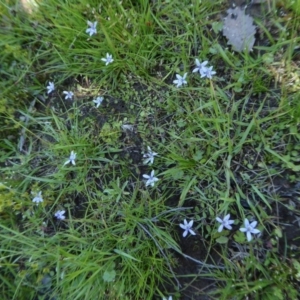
(239, 30)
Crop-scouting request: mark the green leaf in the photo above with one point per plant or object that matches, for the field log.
(125, 254)
(222, 240)
(109, 276)
(296, 265)
(278, 232)
(217, 26)
(239, 237)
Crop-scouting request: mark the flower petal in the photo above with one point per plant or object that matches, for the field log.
(182, 226)
(192, 232)
(227, 217)
(219, 220)
(249, 236)
(220, 228)
(191, 223)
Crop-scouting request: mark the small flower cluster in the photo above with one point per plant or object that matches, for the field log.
(149, 159)
(225, 222)
(108, 59)
(39, 199)
(249, 227)
(69, 95)
(201, 68)
(93, 30)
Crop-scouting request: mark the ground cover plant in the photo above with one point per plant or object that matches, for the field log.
(146, 154)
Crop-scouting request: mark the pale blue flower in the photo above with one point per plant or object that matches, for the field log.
(50, 87)
(226, 222)
(207, 72)
(180, 80)
(92, 29)
(150, 179)
(108, 59)
(60, 214)
(249, 229)
(98, 101)
(187, 227)
(38, 198)
(68, 94)
(199, 66)
(149, 156)
(71, 159)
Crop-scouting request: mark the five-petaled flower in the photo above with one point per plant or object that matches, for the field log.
(250, 229)
(38, 198)
(226, 222)
(98, 101)
(180, 80)
(68, 94)
(50, 87)
(60, 214)
(71, 159)
(170, 298)
(149, 156)
(108, 59)
(187, 227)
(207, 72)
(150, 179)
(92, 29)
(199, 66)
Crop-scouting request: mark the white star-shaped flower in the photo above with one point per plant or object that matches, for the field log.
(199, 66)
(38, 198)
(60, 214)
(68, 94)
(149, 156)
(187, 227)
(150, 179)
(180, 80)
(249, 229)
(50, 87)
(226, 222)
(108, 59)
(98, 101)
(207, 72)
(71, 159)
(170, 298)
(92, 29)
